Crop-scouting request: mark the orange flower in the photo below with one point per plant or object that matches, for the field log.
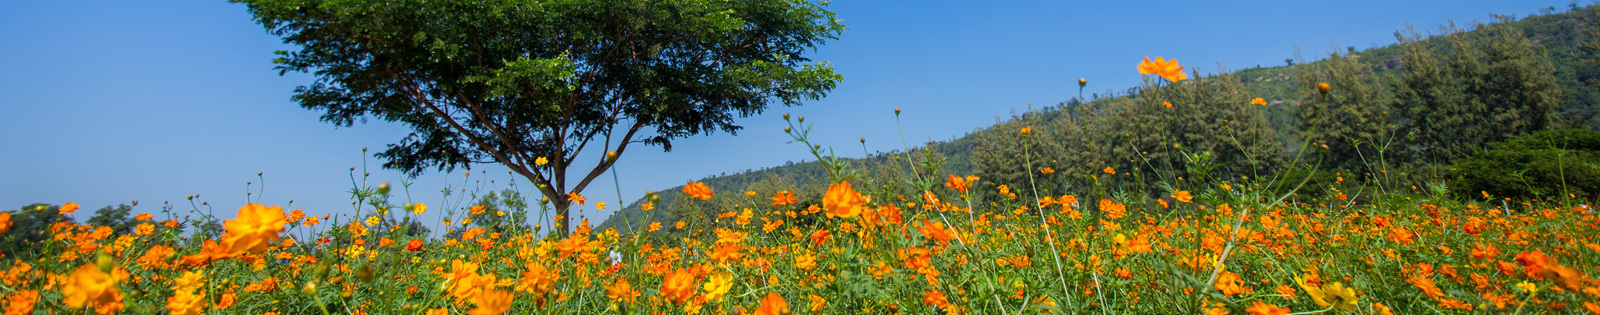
(492, 302)
(936, 299)
(1166, 104)
(1183, 196)
(1048, 171)
(1260, 308)
(414, 245)
(1169, 70)
(842, 201)
(1259, 101)
(957, 183)
(255, 226)
(1230, 284)
(621, 291)
(147, 216)
(698, 190)
(1108, 170)
(679, 286)
(90, 286)
(69, 208)
(784, 198)
(1323, 87)
(5, 222)
(773, 305)
(574, 197)
(21, 302)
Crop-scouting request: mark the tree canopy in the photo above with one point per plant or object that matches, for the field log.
(529, 84)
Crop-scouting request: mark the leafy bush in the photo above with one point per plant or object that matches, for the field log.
(1542, 164)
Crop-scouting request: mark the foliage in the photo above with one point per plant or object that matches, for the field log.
(530, 85)
(1551, 163)
(30, 226)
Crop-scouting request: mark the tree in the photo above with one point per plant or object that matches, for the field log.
(1352, 119)
(1476, 89)
(30, 226)
(531, 84)
(115, 218)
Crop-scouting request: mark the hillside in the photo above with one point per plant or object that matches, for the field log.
(1559, 38)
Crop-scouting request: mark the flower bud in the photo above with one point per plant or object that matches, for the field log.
(1323, 87)
(785, 116)
(1082, 82)
(383, 189)
(611, 155)
(897, 112)
(787, 130)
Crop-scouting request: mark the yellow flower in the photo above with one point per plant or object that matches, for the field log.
(419, 208)
(1334, 294)
(1528, 287)
(90, 286)
(1259, 101)
(1169, 70)
(717, 285)
(541, 161)
(254, 227)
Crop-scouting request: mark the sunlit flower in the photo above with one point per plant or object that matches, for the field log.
(773, 304)
(621, 291)
(1047, 171)
(717, 285)
(957, 183)
(541, 161)
(1260, 308)
(5, 222)
(69, 208)
(21, 302)
(1258, 101)
(492, 302)
(1169, 70)
(419, 208)
(92, 287)
(679, 286)
(1182, 196)
(784, 198)
(254, 228)
(575, 197)
(144, 217)
(1108, 170)
(698, 190)
(1230, 284)
(843, 202)
(414, 245)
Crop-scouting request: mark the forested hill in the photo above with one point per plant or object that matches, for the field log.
(1546, 61)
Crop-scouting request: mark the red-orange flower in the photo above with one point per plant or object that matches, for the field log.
(255, 226)
(698, 190)
(957, 183)
(414, 245)
(1169, 70)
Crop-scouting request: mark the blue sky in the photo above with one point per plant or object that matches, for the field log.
(107, 102)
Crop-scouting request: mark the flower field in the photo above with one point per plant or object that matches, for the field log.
(1223, 247)
(1221, 251)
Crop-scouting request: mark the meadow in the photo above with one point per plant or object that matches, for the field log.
(1152, 236)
